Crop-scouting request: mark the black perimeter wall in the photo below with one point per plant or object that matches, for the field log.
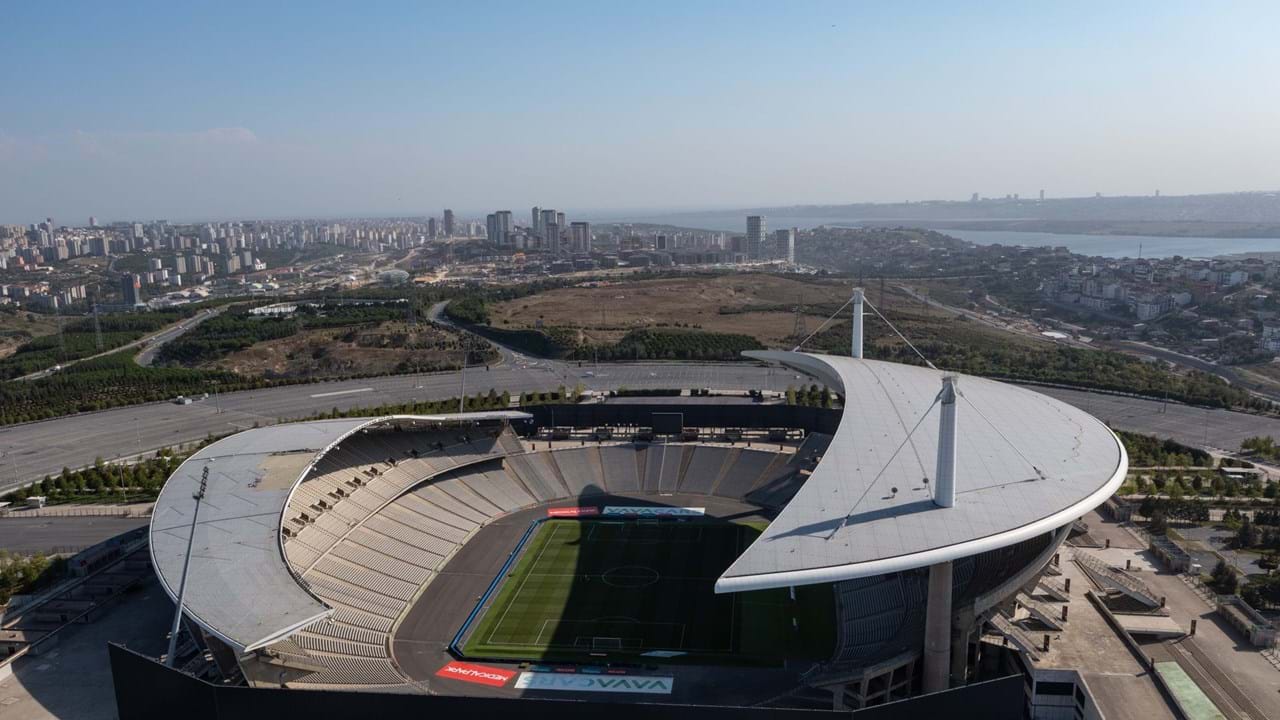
(709, 415)
(147, 690)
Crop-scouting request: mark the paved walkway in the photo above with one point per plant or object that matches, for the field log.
(72, 681)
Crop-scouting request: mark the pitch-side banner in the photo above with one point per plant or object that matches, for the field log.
(480, 674)
(654, 511)
(572, 511)
(595, 683)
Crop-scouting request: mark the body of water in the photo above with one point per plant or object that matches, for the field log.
(1120, 246)
(1111, 246)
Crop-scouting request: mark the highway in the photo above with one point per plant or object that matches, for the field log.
(150, 343)
(157, 341)
(33, 450)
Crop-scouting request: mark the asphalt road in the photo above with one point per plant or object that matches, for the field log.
(61, 534)
(36, 449)
(33, 450)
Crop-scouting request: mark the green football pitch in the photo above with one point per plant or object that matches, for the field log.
(587, 590)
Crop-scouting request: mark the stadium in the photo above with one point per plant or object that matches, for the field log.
(698, 554)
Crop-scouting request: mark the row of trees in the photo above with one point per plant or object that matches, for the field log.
(79, 339)
(671, 344)
(1204, 484)
(949, 345)
(109, 381)
(1164, 509)
(102, 482)
(1150, 451)
(812, 396)
(239, 329)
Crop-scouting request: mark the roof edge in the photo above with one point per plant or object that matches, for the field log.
(240, 645)
(912, 561)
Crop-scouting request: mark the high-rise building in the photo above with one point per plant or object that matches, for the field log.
(448, 223)
(504, 225)
(433, 228)
(784, 245)
(661, 243)
(551, 238)
(560, 219)
(535, 214)
(755, 236)
(1041, 196)
(580, 236)
(93, 221)
(131, 289)
(545, 217)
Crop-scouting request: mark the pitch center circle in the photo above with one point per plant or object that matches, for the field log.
(630, 576)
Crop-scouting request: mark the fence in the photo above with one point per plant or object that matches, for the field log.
(104, 511)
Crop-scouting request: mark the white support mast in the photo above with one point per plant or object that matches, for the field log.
(856, 349)
(944, 486)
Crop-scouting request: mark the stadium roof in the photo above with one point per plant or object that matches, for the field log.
(1025, 464)
(239, 587)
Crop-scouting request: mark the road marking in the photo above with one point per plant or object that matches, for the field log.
(342, 392)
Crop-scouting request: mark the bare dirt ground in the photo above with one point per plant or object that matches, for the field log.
(17, 328)
(1268, 372)
(605, 312)
(386, 348)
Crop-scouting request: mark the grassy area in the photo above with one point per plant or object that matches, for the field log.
(599, 590)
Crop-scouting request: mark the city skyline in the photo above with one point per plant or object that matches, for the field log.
(421, 107)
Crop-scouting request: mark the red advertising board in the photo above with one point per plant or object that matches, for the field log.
(572, 511)
(480, 674)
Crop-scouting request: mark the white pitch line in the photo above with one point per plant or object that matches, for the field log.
(342, 392)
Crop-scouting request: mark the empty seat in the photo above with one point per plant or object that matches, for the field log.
(620, 468)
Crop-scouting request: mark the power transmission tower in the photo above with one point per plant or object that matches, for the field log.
(799, 329)
(62, 341)
(97, 328)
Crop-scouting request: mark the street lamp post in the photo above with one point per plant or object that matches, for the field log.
(186, 565)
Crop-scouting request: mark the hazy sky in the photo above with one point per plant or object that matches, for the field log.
(187, 110)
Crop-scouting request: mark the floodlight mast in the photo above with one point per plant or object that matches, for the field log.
(944, 486)
(856, 348)
(186, 564)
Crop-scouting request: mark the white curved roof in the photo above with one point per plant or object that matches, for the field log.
(239, 586)
(1025, 464)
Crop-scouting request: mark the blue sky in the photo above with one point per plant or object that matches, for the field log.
(209, 110)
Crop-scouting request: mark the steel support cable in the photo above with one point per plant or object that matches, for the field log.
(986, 419)
(824, 324)
(899, 334)
(845, 520)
